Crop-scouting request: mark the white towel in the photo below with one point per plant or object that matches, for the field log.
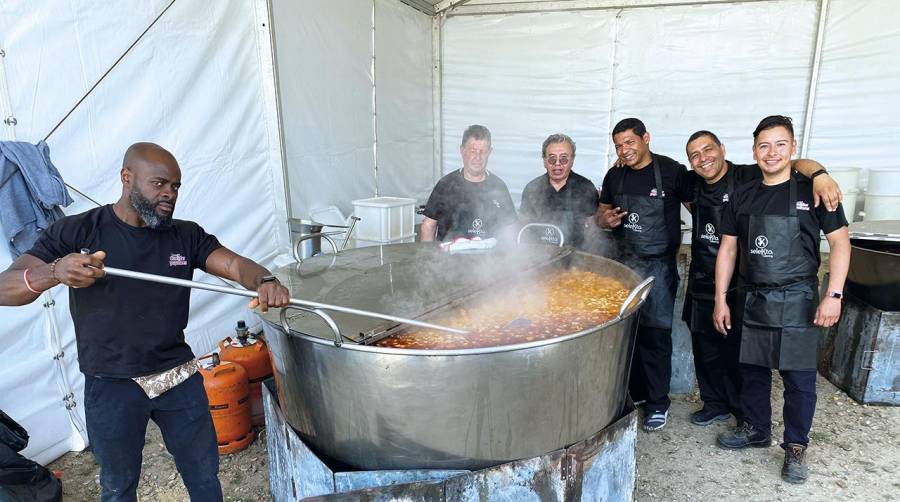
(463, 245)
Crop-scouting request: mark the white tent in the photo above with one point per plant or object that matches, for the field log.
(276, 108)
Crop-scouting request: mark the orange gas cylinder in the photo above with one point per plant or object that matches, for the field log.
(229, 403)
(251, 353)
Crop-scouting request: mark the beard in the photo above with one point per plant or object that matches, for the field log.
(147, 211)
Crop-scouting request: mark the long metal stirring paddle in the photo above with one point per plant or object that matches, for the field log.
(119, 272)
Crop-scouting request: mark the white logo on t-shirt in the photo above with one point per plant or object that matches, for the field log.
(176, 259)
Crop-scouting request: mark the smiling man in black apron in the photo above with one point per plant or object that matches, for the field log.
(716, 357)
(561, 197)
(469, 202)
(640, 203)
(775, 225)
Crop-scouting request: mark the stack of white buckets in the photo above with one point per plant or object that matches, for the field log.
(882, 195)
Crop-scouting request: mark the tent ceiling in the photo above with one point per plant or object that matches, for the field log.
(463, 7)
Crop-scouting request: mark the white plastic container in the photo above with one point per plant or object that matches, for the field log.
(362, 243)
(882, 207)
(883, 182)
(846, 177)
(384, 219)
(849, 204)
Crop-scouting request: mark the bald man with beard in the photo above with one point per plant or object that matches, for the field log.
(130, 333)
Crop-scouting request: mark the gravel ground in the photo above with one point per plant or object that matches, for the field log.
(854, 455)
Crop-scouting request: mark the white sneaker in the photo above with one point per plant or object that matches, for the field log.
(656, 420)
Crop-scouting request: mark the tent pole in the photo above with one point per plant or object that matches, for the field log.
(814, 77)
(437, 23)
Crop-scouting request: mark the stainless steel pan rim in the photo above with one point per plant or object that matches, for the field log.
(463, 352)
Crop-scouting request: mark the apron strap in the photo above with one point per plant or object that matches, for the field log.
(656, 176)
(792, 203)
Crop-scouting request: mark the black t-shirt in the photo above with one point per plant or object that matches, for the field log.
(713, 194)
(124, 327)
(756, 198)
(566, 208)
(470, 209)
(641, 182)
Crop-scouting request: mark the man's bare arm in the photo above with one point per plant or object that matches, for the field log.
(825, 189)
(224, 262)
(724, 271)
(428, 229)
(75, 270)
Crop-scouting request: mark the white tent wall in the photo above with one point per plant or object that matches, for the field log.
(200, 83)
(521, 68)
(403, 86)
(855, 120)
(527, 76)
(335, 109)
(324, 60)
(678, 68)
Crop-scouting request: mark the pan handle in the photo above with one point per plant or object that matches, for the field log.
(562, 237)
(310, 236)
(637, 295)
(338, 339)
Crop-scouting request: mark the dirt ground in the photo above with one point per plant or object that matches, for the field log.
(854, 455)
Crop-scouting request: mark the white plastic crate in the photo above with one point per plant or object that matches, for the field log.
(362, 243)
(384, 219)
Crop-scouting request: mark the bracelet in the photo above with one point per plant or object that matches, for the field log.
(27, 284)
(820, 171)
(53, 270)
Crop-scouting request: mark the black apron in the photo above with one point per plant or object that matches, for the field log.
(704, 249)
(644, 239)
(777, 319)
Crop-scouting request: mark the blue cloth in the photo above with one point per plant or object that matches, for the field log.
(31, 191)
(117, 412)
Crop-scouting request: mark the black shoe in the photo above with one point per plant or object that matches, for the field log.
(794, 469)
(707, 417)
(743, 436)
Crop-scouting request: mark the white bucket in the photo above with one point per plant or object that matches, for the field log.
(882, 207)
(849, 205)
(883, 182)
(846, 177)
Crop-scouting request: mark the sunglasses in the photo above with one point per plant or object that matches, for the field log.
(562, 160)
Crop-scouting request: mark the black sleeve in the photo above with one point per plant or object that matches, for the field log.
(589, 202)
(509, 216)
(686, 185)
(57, 241)
(747, 172)
(527, 210)
(829, 221)
(606, 196)
(728, 225)
(435, 207)
(203, 245)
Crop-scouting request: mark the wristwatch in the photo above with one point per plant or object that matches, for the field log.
(268, 278)
(835, 294)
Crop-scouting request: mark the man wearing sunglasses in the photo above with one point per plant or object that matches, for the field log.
(560, 197)
(640, 205)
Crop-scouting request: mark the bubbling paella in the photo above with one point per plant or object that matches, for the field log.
(567, 302)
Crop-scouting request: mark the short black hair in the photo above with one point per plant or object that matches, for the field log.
(700, 134)
(773, 121)
(631, 124)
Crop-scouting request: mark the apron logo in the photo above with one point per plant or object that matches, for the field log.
(550, 236)
(653, 192)
(803, 206)
(496, 203)
(762, 244)
(725, 198)
(710, 234)
(477, 227)
(176, 259)
(632, 224)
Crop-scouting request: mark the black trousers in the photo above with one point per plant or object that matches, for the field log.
(716, 361)
(117, 412)
(651, 368)
(799, 401)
